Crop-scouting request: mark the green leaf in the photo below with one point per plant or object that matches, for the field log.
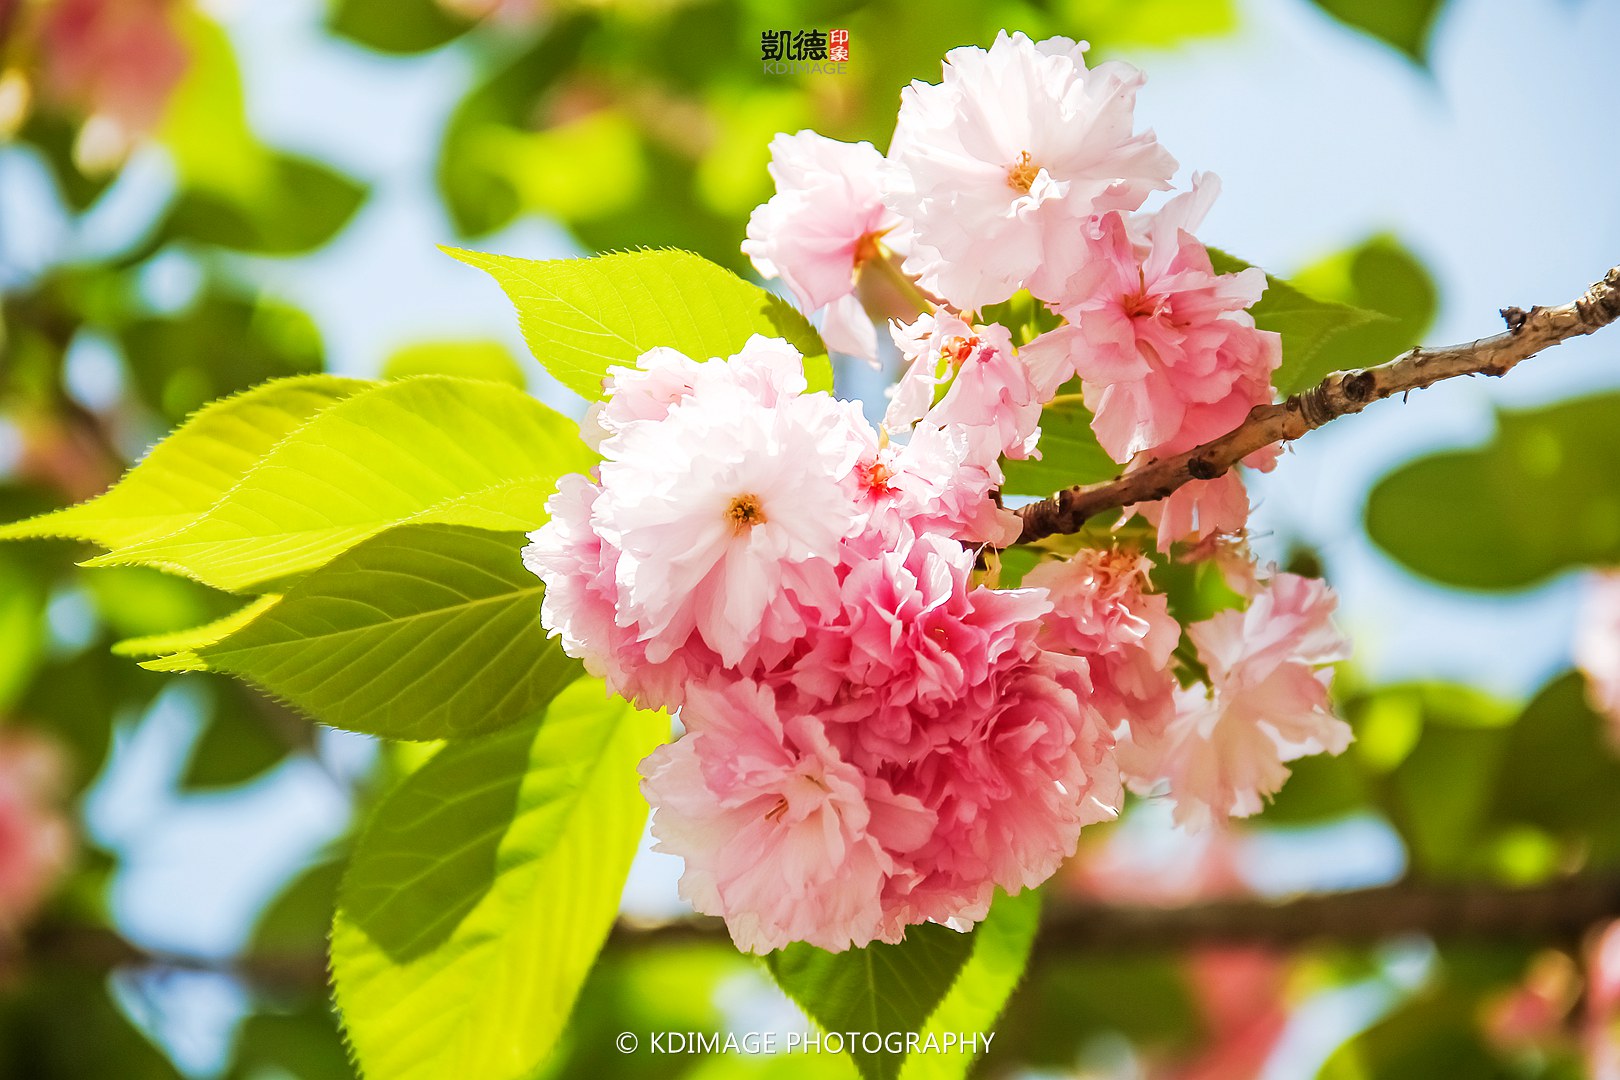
(188, 472)
(1559, 735)
(396, 26)
(423, 632)
(234, 190)
(1441, 795)
(924, 980)
(1435, 1034)
(185, 643)
(425, 450)
(61, 1022)
(1379, 275)
(581, 316)
(1070, 453)
(174, 359)
(487, 360)
(480, 194)
(1540, 499)
(1073, 999)
(302, 1042)
(1001, 947)
(22, 641)
(483, 888)
(237, 743)
(1307, 325)
(1150, 23)
(1404, 24)
(297, 205)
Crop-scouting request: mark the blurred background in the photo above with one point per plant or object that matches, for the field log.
(198, 196)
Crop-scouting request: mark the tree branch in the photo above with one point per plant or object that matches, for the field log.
(1561, 911)
(1340, 394)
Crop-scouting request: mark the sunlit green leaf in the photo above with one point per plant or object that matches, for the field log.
(423, 632)
(185, 643)
(915, 986)
(188, 472)
(581, 316)
(1001, 950)
(429, 449)
(488, 360)
(479, 895)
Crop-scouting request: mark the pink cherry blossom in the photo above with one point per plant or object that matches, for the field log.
(939, 481)
(1198, 510)
(1267, 702)
(980, 755)
(1029, 765)
(36, 842)
(727, 516)
(990, 399)
(998, 164)
(781, 836)
(826, 220)
(579, 606)
(768, 368)
(1597, 646)
(1168, 356)
(1101, 611)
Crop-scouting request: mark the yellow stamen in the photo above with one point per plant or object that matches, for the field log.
(745, 512)
(1021, 176)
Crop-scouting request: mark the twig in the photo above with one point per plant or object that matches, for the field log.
(1560, 911)
(1340, 394)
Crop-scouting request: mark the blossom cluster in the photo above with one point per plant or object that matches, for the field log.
(875, 733)
(1020, 171)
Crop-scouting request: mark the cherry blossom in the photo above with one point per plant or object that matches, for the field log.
(780, 834)
(1101, 611)
(1001, 162)
(1267, 701)
(826, 221)
(1168, 356)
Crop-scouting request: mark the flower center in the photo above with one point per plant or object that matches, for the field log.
(878, 476)
(958, 349)
(1021, 174)
(867, 247)
(744, 513)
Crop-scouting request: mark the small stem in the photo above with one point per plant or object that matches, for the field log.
(888, 266)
